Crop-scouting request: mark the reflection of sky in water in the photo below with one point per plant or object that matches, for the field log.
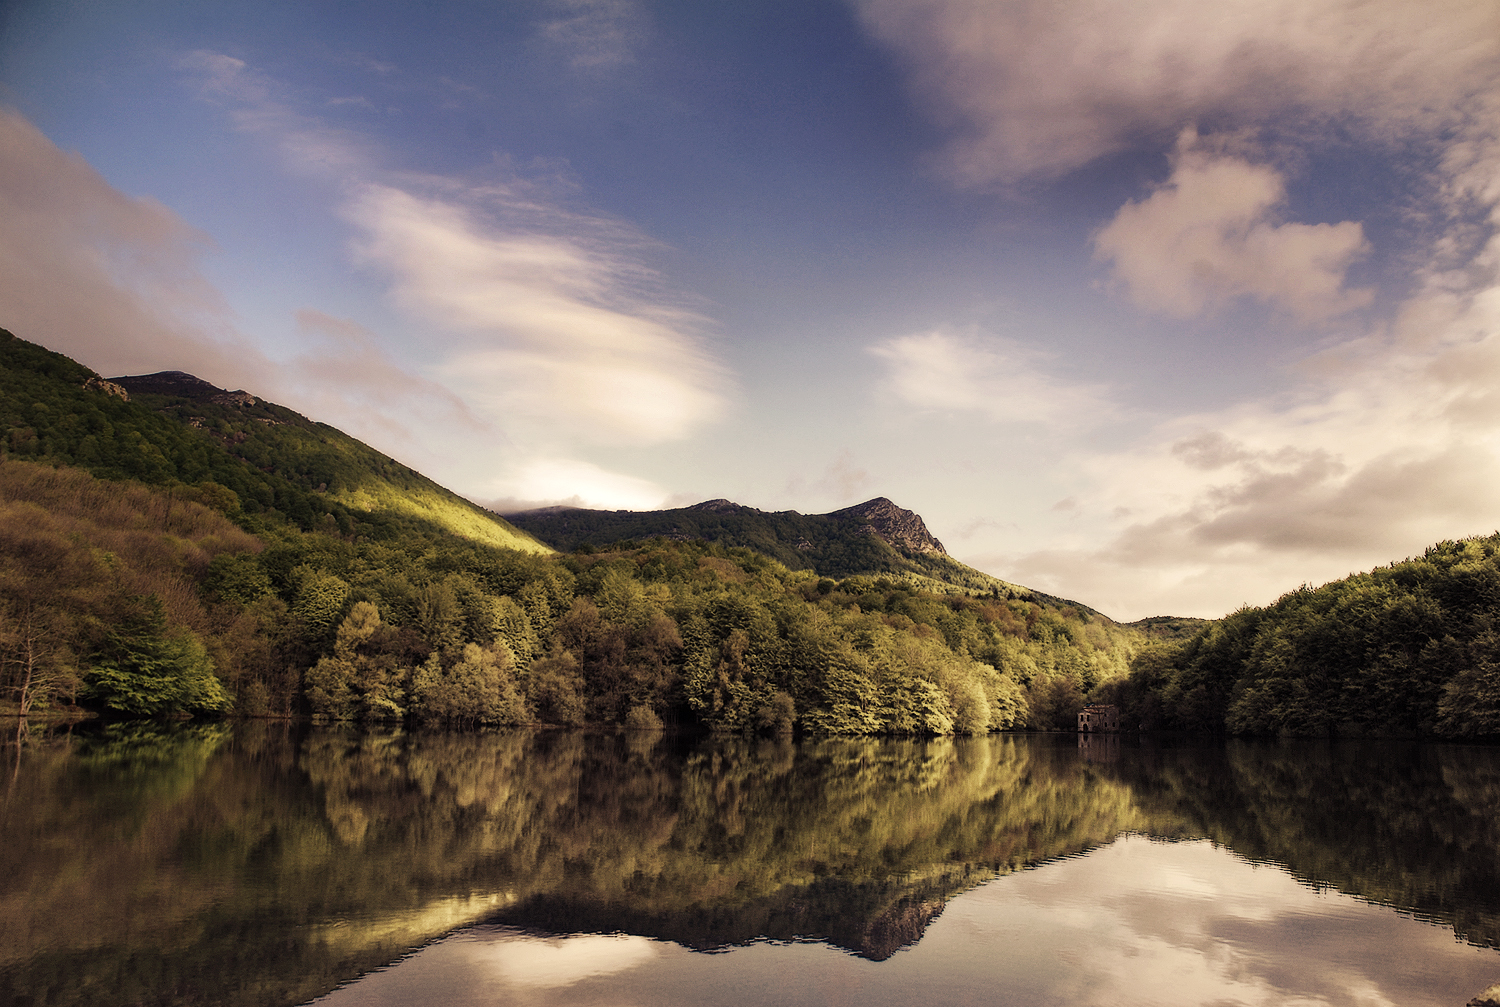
(1137, 922)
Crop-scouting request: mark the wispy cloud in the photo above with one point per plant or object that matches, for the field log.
(106, 277)
(574, 483)
(541, 318)
(548, 312)
(1039, 87)
(1376, 446)
(539, 312)
(594, 35)
(1390, 444)
(995, 379)
(543, 322)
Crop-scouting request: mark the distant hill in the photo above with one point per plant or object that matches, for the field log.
(1169, 627)
(173, 428)
(876, 538)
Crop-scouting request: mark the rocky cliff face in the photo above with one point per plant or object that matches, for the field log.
(898, 526)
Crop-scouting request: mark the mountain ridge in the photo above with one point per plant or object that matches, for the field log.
(876, 538)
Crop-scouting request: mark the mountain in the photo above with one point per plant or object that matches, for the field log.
(172, 428)
(875, 538)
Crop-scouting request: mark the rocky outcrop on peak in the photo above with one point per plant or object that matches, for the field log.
(182, 385)
(722, 506)
(98, 384)
(895, 525)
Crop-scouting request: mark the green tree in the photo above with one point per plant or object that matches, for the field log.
(145, 668)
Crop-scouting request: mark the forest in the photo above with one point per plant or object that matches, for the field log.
(1409, 649)
(163, 555)
(144, 600)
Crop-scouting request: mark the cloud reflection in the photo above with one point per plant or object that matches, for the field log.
(535, 962)
(1138, 922)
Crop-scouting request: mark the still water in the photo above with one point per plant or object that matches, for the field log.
(276, 864)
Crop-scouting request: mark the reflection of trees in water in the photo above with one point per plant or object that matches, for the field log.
(1393, 822)
(269, 865)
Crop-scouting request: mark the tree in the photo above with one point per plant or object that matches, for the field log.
(146, 668)
(35, 665)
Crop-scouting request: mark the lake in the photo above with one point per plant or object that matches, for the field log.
(266, 863)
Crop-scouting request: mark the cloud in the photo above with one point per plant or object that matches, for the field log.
(1209, 235)
(1378, 445)
(537, 313)
(346, 375)
(1389, 444)
(552, 315)
(114, 282)
(108, 278)
(570, 482)
(255, 104)
(595, 35)
(551, 963)
(997, 379)
(1040, 87)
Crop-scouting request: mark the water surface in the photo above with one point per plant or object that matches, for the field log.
(269, 864)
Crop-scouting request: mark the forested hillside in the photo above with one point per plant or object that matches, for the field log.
(195, 550)
(277, 465)
(1409, 649)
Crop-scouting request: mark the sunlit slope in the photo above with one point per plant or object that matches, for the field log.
(318, 458)
(876, 538)
(175, 429)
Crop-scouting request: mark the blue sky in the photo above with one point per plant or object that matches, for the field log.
(1164, 306)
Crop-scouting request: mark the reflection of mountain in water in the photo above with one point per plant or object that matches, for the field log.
(263, 865)
(872, 919)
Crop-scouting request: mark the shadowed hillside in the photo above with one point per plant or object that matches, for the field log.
(876, 537)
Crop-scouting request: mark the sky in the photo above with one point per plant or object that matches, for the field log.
(1163, 306)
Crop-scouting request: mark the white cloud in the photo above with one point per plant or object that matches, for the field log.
(114, 282)
(557, 325)
(1381, 444)
(1388, 445)
(570, 482)
(538, 315)
(553, 316)
(997, 379)
(1209, 235)
(1039, 87)
(550, 963)
(307, 144)
(345, 376)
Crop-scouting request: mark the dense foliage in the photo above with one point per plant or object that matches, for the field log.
(451, 630)
(1411, 648)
